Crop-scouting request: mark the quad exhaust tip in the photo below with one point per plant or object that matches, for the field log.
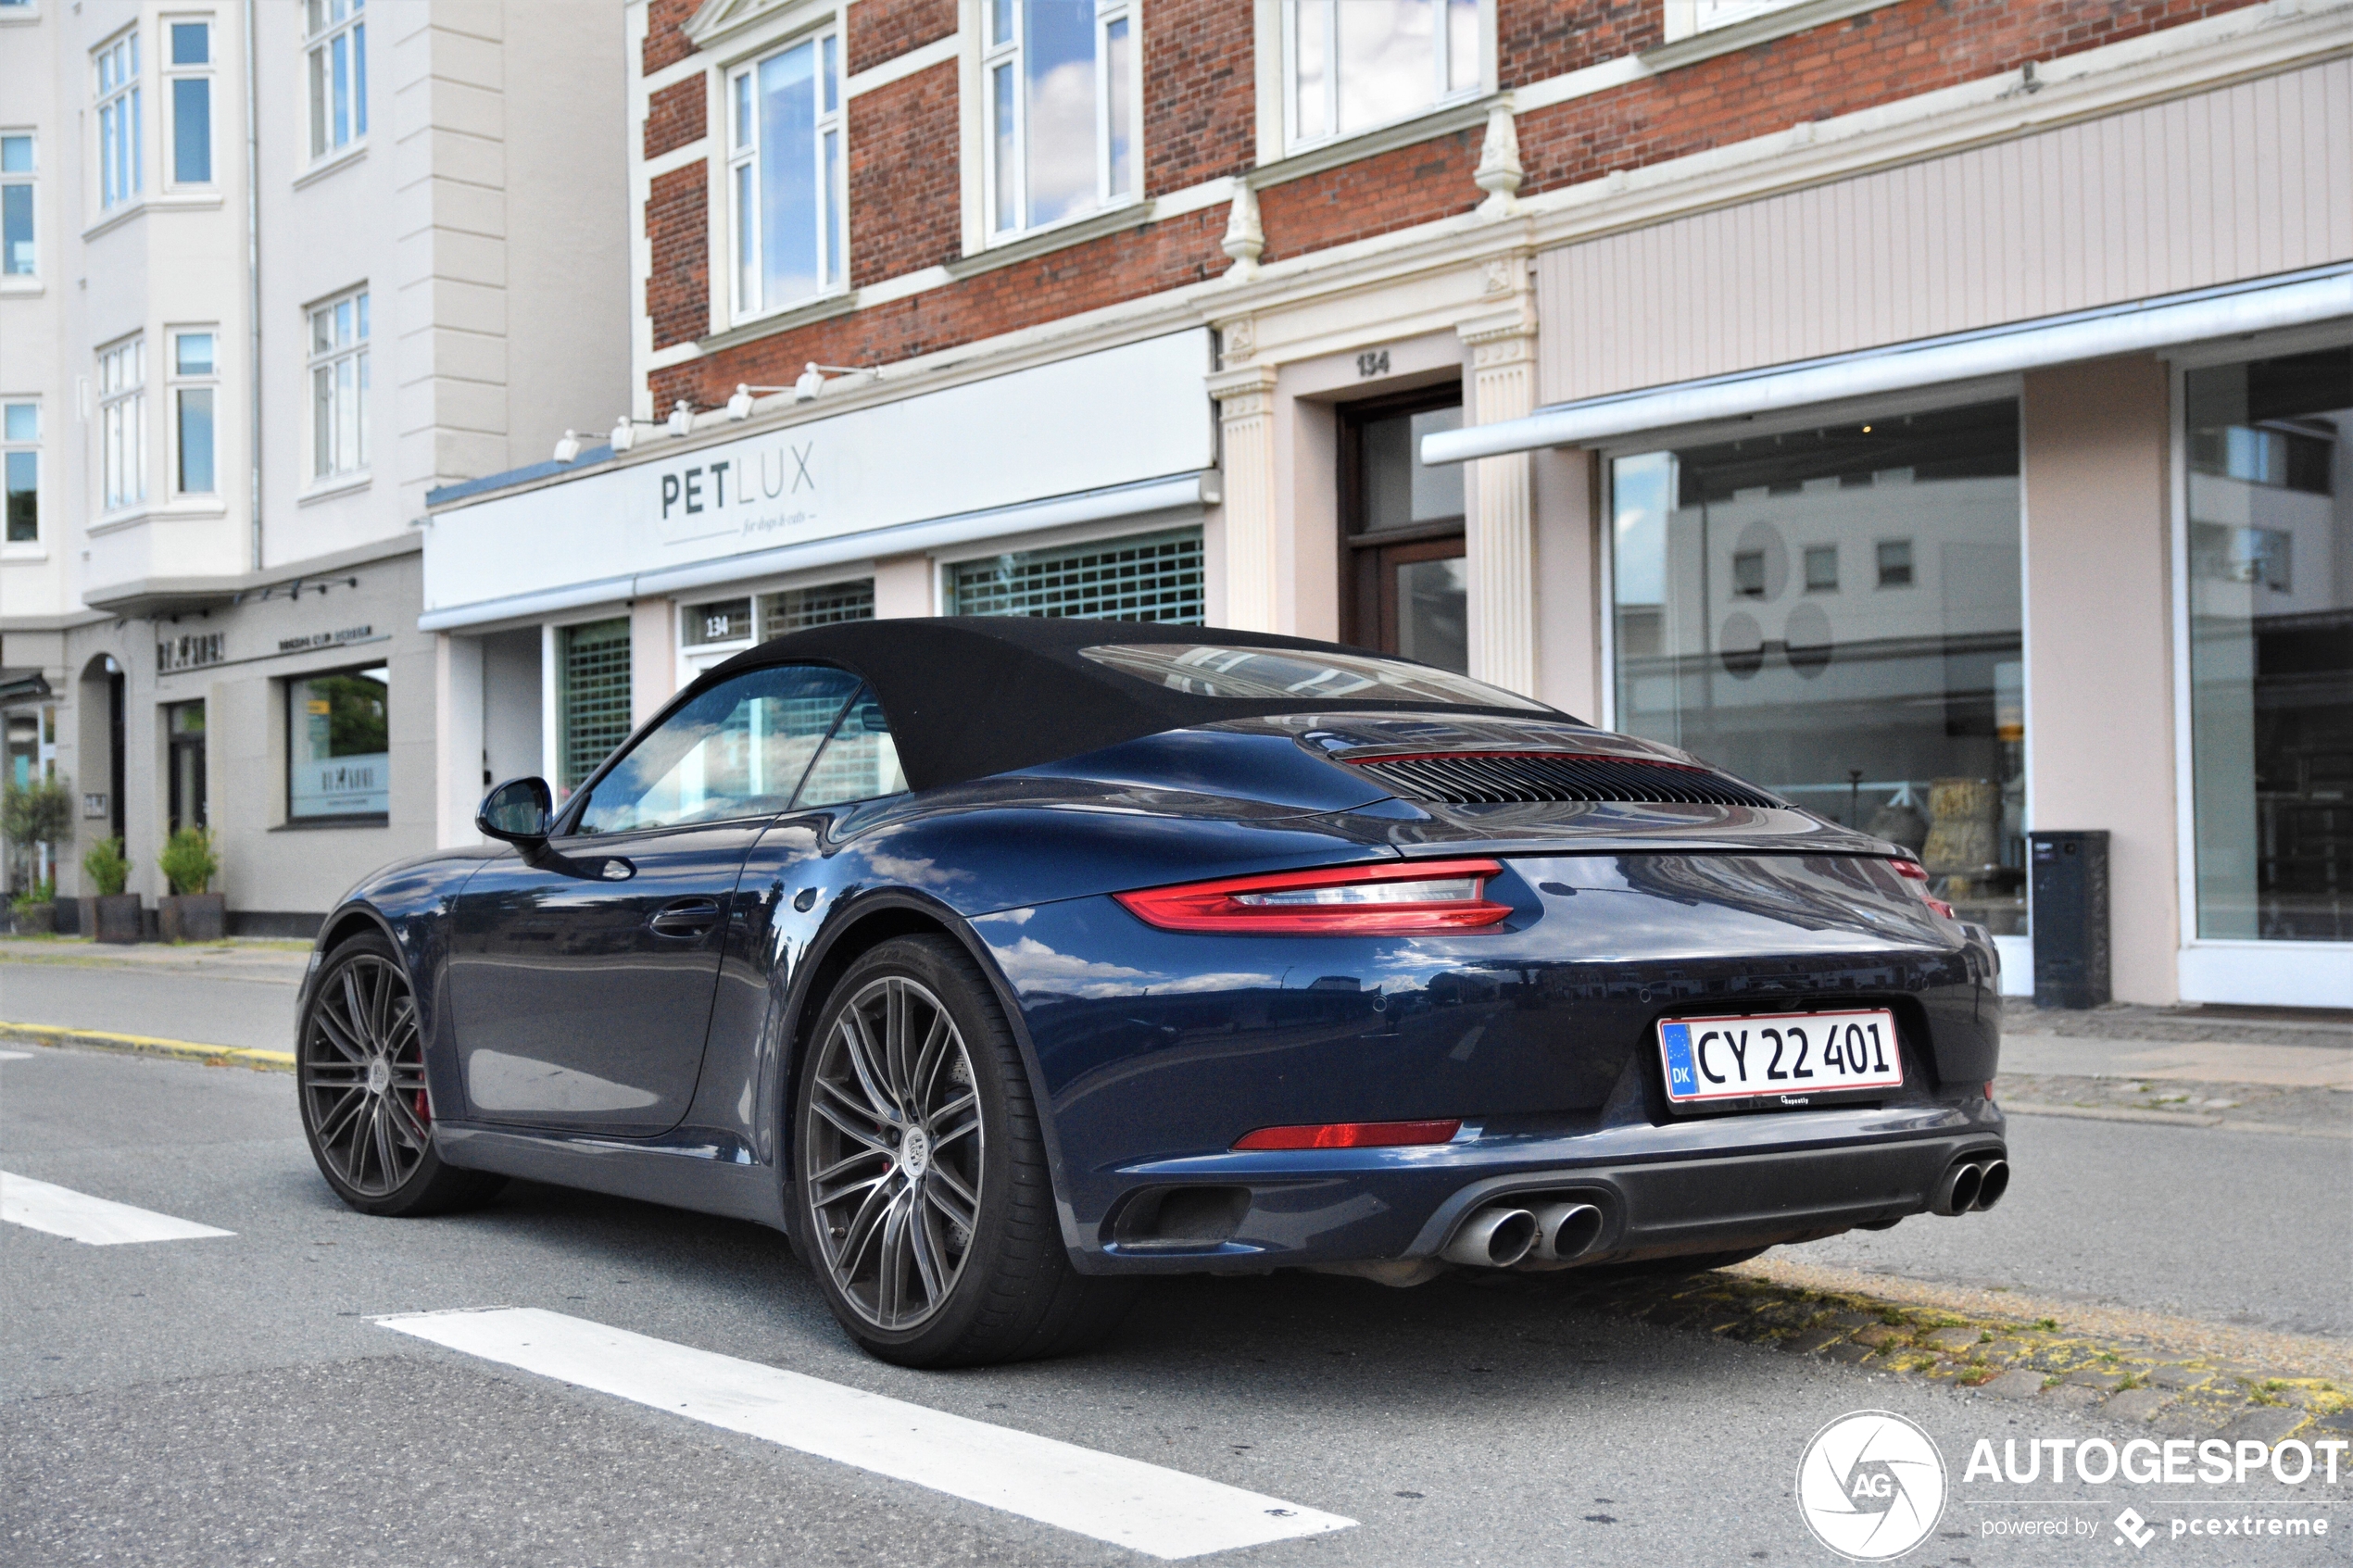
(1975, 1184)
(1502, 1235)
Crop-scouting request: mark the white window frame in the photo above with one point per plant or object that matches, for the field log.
(33, 546)
(122, 423)
(324, 24)
(338, 466)
(2254, 972)
(1324, 13)
(29, 180)
(1689, 18)
(118, 114)
(1006, 55)
(170, 102)
(180, 385)
(746, 267)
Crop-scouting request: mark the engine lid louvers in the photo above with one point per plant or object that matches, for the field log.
(1531, 777)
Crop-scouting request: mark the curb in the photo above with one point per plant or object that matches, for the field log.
(2170, 1119)
(149, 1045)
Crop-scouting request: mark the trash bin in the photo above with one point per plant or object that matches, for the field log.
(2069, 916)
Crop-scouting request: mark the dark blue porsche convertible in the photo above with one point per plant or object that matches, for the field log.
(1000, 962)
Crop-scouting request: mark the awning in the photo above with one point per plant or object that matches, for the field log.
(2289, 300)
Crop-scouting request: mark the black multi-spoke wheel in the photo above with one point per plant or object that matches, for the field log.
(925, 1200)
(366, 1108)
(893, 1164)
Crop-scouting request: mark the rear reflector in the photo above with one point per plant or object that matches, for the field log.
(1386, 897)
(1351, 1134)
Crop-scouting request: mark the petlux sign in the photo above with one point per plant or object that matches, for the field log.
(1140, 411)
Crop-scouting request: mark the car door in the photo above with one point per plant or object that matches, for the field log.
(583, 972)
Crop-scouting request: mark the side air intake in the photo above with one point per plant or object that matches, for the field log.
(1498, 778)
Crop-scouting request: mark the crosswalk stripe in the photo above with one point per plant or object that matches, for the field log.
(1146, 1508)
(77, 1216)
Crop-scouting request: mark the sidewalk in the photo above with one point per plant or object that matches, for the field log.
(234, 958)
(2184, 1067)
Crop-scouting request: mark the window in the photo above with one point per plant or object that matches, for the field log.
(122, 423)
(591, 697)
(338, 745)
(1821, 569)
(1896, 563)
(859, 762)
(1060, 96)
(188, 75)
(339, 386)
(21, 442)
(1356, 64)
(784, 174)
(192, 401)
(1685, 18)
(184, 733)
(825, 605)
(2270, 583)
(1897, 713)
(122, 169)
(16, 206)
(336, 42)
(737, 750)
(1406, 590)
(1157, 577)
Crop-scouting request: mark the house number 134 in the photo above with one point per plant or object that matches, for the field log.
(1373, 364)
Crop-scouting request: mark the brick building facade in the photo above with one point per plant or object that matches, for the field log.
(1901, 404)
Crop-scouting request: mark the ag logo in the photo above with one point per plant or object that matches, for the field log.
(1872, 1486)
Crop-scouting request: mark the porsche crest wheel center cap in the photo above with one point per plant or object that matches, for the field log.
(379, 1075)
(914, 1154)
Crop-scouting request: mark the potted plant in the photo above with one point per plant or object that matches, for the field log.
(109, 914)
(193, 913)
(35, 910)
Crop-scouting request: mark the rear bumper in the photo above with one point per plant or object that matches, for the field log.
(1716, 1186)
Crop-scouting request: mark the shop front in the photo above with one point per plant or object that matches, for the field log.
(570, 601)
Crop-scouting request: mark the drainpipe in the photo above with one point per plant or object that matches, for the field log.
(253, 276)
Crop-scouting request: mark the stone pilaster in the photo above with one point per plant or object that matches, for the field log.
(1500, 533)
(1245, 395)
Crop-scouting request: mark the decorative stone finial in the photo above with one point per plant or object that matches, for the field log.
(1499, 171)
(1245, 241)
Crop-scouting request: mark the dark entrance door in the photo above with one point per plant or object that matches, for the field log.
(183, 724)
(1402, 527)
(114, 749)
(582, 977)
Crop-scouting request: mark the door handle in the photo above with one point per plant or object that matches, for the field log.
(685, 917)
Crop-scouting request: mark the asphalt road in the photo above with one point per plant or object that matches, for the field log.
(233, 1399)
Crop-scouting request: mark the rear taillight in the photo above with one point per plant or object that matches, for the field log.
(1351, 1134)
(1913, 872)
(1390, 898)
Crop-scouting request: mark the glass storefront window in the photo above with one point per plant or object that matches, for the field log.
(796, 610)
(1834, 614)
(591, 697)
(338, 750)
(2270, 646)
(1157, 577)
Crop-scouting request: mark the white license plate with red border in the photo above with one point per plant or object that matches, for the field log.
(1789, 1057)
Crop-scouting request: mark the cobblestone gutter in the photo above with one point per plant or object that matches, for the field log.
(2177, 1377)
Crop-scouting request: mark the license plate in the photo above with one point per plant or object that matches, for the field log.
(1787, 1059)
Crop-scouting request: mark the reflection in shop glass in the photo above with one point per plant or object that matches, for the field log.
(337, 744)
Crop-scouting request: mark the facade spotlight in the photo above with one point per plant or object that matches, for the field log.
(681, 417)
(567, 448)
(739, 406)
(812, 379)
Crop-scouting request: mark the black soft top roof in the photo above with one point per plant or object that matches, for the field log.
(972, 696)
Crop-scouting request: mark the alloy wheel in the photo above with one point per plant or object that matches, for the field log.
(363, 1077)
(892, 1153)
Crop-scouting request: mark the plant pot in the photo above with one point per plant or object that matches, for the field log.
(35, 920)
(117, 917)
(193, 917)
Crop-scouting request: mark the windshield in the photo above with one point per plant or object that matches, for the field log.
(1207, 669)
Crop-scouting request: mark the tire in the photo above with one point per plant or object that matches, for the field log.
(359, 1079)
(909, 1104)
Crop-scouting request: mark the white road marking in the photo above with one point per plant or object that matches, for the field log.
(1163, 1513)
(16, 1056)
(77, 1216)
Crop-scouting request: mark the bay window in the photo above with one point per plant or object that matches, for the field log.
(122, 423)
(192, 374)
(336, 46)
(188, 74)
(123, 170)
(1356, 64)
(21, 456)
(339, 386)
(16, 206)
(1059, 91)
(784, 176)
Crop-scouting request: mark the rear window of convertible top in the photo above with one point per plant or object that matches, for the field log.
(1208, 670)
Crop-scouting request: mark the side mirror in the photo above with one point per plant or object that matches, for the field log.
(516, 811)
